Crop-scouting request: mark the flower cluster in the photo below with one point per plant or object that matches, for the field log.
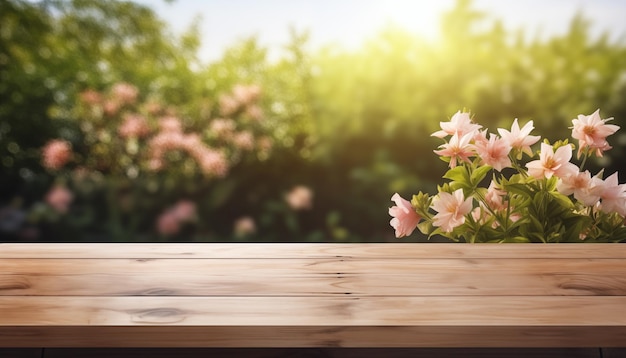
(142, 145)
(500, 190)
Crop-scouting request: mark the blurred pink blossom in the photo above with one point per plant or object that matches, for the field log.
(91, 97)
(591, 132)
(172, 219)
(184, 210)
(211, 161)
(246, 95)
(221, 127)
(111, 107)
(168, 224)
(299, 198)
(59, 198)
(134, 126)
(228, 105)
(405, 219)
(244, 226)
(244, 140)
(170, 124)
(153, 107)
(56, 153)
(125, 93)
(254, 112)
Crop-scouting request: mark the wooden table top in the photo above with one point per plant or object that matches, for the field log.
(312, 295)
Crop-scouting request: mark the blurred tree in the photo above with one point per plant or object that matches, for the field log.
(52, 50)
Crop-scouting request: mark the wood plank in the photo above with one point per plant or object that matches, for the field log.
(304, 250)
(169, 336)
(305, 277)
(584, 311)
(324, 352)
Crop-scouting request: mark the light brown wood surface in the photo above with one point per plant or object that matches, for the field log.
(312, 295)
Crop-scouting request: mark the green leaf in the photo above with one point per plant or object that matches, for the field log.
(458, 174)
(479, 174)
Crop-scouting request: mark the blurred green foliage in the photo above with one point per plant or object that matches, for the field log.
(351, 125)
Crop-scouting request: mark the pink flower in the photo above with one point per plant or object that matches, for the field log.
(172, 219)
(184, 210)
(56, 153)
(586, 189)
(228, 105)
(244, 226)
(170, 124)
(254, 112)
(451, 209)
(59, 198)
(168, 223)
(134, 126)
(614, 196)
(244, 140)
(125, 93)
(111, 107)
(91, 97)
(591, 132)
(405, 219)
(460, 124)
(223, 128)
(153, 107)
(552, 163)
(457, 148)
(211, 161)
(520, 138)
(494, 152)
(299, 198)
(494, 197)
(246, 94)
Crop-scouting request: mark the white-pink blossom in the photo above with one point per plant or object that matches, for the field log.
(460, 124)
(451, 209)
(494, 152)
(591, 132)
(520, 139)
(614, 196)
(458, 148)
(552, 162)
(586, 189)
(405, 218)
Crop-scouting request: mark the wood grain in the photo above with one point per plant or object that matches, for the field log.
(325, 353)
(289, 277)
(312, 295)
(305, 250)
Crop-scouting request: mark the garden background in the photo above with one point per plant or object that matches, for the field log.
(112, 127)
